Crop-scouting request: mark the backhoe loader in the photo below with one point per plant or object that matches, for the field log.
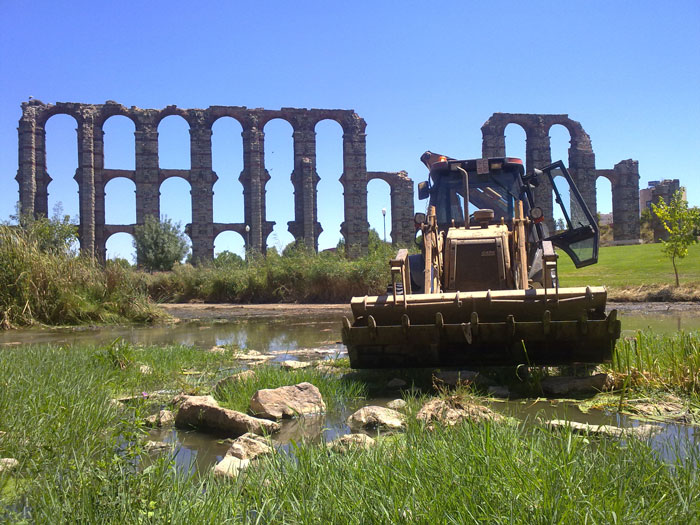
(485, 290)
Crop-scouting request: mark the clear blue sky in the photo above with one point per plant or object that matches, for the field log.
(423, 76)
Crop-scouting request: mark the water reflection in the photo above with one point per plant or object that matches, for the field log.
(274, 335)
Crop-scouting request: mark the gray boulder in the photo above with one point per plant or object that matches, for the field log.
(454, 410)
(287, 401)
(164, 418)
(205, 413)
(377, 417)
(350, 441)
(249, 446)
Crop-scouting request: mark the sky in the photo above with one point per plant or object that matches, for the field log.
(423, 76)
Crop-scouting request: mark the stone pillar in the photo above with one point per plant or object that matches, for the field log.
(146, 175)
(538, 155)
(582, 170)
(355, 227)
(253, 179)
(85, 175)
(305, 181)
(202, 179)
(41, 200)
(625, 202)
(493, 142)
(100, 240)
(402, 225)
(27, 171)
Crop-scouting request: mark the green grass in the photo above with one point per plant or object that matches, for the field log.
(635, 265)
(38, 286)
(660, 362)
(79, 453)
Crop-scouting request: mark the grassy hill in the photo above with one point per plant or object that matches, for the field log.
(642, 267)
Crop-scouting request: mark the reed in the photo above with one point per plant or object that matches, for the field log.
(39, 286)
(656, 361)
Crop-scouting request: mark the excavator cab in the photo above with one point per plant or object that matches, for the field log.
(485, 288)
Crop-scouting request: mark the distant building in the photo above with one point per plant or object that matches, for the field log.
(605, 219)
(656, 189)
(659, 189)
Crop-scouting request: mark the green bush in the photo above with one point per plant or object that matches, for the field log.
(159, 244)
(49, 284)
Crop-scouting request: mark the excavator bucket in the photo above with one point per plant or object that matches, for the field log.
(502, 327)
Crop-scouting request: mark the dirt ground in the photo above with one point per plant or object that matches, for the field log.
(235, 311)
(188, 311)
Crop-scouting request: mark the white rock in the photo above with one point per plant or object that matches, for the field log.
(350, 441)
(376, 417)
(454, 410)
(8, 464)
(396, 404)
(295, 365)
(641, 431)
(230, 467)
(249, 446)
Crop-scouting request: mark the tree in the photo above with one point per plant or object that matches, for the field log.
(680, 222)
(159, 244)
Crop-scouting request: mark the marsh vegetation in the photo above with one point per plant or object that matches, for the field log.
(83, 457)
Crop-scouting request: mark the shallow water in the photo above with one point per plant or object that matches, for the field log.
(317, 336)
(277, 334)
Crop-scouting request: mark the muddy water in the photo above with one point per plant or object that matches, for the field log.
(288, 334)
(274, 332)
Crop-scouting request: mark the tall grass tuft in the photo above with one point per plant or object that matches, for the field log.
(297, 275)
(59, 288)
(670, 362)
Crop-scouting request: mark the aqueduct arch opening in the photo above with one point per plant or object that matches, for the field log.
(148, 175)
(581, 163)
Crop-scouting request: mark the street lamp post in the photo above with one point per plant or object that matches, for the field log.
(247, 238)
(384, 215)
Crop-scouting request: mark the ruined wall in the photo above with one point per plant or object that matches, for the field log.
(147, 176)
(581, 164)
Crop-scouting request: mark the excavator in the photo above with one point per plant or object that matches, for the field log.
(485, 289)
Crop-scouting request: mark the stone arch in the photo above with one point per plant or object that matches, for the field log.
(234, 240)
(517, 145)
(107, 153)
(378, 199)
(148, 175)
(119, 191)
(174, 136)
(120, 246)
(326, 182)
(60, 164)
(278, 198)
(401, 204)
(227, 164)
(175, 199)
